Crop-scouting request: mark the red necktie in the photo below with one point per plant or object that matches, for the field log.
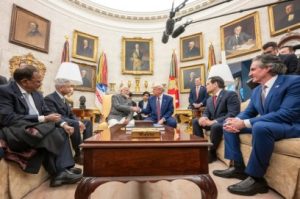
(158, 109)
(215, 100)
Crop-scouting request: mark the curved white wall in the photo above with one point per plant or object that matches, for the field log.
(64, 21)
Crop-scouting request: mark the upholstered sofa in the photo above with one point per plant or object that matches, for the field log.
(283, 174)
(15, 184)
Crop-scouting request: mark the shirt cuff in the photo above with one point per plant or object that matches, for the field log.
(62, 124)
(247, 123)
(41, 118)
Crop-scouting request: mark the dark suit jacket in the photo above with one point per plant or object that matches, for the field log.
(56, 105)
(202, 96)
(3, 80)
(228, 105)
(141, 104)
(166, 109)
(14, 107)
(282, 104)
(192, 53)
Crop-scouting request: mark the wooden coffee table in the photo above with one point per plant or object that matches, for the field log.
(113, 156)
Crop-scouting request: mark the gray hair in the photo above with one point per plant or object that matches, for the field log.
(277, 67)
(61, 82)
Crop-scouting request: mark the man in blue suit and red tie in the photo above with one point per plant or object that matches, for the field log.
(160, 107)
(198, 95)
(273, 114)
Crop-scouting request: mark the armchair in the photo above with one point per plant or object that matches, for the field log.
(105, 112)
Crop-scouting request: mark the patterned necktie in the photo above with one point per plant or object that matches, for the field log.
(215, 100)
(32, 110)
(158, 108)
(263, 94)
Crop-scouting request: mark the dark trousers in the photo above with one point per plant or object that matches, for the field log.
(76, 137)
(58, 163)
(216, 133)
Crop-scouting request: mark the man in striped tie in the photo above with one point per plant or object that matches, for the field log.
(160, 108)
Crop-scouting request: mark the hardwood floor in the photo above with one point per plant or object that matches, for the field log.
(179, 189)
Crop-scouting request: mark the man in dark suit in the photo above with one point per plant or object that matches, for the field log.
(198, 95)
(221, 105)
(273, 114)
(143, 104)
(21, 103)
(57, 104)
(3, 80)
(160, 107)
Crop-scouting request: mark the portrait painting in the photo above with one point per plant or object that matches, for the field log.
(88, 75)
(284, 17)
(191, 47)
(29, 30)
(188, 74)
(137, 56)
(85, 46)
(241, 36)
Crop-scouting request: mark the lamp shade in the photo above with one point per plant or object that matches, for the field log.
(69, 71)
(223, 71)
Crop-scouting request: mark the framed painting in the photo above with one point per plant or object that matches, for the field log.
(241, 36)
(284, 17)
(137, 56)
(85, 46)
(191, 47)
(29, 30)
(188, 74)
(88, 75)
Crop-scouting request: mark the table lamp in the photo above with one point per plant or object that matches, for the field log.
(69, 71)
(223, 71)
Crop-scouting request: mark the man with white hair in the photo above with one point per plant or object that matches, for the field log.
(160, 107)
(56, 102)
(121, 108)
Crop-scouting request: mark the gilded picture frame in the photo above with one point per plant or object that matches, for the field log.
(191, 47)
(85, 46)
(188, 74)
(241, 36)
(287, 17)
(88, 74)
(137, 56)
(29, 30)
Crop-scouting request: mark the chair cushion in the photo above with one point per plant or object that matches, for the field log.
(290, 147)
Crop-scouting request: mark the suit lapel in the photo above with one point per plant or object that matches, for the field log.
(163, 105)
(218, 101)
(272, 91)
(17, 91)
(61, 103)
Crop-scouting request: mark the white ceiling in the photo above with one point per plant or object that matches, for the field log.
(140, 5)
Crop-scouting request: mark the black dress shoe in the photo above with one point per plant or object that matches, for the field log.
(231, 172)
(249, 187)
(75, 170)
(65, 177)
